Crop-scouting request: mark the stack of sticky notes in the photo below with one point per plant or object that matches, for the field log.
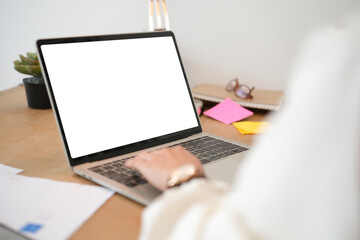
(228, 112)
(248, 127)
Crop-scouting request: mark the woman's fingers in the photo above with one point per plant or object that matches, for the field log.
(157, 166)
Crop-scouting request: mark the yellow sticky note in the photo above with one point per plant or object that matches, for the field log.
(248, 127)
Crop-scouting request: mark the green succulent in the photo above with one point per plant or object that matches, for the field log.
(29, 65)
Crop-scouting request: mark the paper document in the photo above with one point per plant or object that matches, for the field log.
(7, 170)
(46, 209)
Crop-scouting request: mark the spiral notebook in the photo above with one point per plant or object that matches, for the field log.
(263, 99)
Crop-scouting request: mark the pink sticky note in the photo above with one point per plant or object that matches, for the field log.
(228, 112)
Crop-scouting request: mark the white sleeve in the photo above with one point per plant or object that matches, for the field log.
(196, 210)
(302, 180)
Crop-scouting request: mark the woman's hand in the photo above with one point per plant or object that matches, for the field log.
(157, 166)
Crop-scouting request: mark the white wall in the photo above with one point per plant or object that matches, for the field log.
(254, 40)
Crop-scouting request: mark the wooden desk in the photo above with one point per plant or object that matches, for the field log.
(29, 140)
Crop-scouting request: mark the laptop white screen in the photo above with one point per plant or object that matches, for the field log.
(117, 92)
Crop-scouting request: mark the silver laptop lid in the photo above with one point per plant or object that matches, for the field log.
(116, 94)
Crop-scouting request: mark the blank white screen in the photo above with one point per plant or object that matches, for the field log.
(116, 92)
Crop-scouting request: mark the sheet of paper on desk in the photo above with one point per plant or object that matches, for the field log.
(7, 170)
(46, 209)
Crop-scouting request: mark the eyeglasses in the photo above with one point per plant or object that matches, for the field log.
(241, 90)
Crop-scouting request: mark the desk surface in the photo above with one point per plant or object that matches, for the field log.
(29, 140)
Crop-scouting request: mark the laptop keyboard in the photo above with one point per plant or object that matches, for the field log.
(206, 148)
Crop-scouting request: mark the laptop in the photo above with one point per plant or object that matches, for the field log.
(116, 95)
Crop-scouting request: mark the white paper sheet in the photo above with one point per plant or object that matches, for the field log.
(47, 209)
(7, 170)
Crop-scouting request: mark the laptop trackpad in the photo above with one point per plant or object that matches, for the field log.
(223, 170)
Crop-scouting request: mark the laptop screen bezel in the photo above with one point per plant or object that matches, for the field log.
(121, 149)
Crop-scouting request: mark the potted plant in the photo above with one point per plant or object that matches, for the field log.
(35, 89)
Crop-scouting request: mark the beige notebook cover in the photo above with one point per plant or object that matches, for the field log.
(263, 99)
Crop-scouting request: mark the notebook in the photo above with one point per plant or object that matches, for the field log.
(116, 95)
(263, 99)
